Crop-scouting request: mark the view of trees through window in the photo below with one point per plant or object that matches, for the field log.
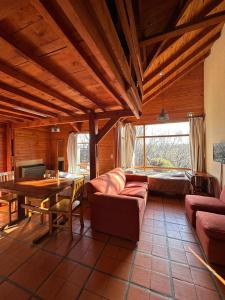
(83, 153)
(163, 146)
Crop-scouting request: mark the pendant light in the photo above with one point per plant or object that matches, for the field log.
(163, 115)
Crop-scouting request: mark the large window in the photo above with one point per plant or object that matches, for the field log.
(162, 146)
(83, 153)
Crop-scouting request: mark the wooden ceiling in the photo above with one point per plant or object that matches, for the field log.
(62, 60)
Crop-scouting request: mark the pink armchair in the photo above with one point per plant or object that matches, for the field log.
(194, 203)
(118, 203)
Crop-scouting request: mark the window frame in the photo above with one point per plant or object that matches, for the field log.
(144, 137)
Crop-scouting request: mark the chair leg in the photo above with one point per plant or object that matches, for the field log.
(50, 223)
(10, 213)
(81, 215)
(70, 224)
(42, 215)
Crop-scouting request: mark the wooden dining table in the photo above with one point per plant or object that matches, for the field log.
(35, 188)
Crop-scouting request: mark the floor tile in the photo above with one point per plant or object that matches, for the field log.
(160, 283)
(106, 286)
(35, 270)
(206, 294)
(181, 272)
(86, 295)
(178, 255)
(136, 292)
(114, 267)
(119, 253)
(202, 278)
(9, 291)
(184, 290)
(86, 251)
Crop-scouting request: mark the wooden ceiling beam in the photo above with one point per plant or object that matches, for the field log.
(38, 85)
(37, 100)
(15, 121)
(208, 8)
(75, 127)
(28, 107)
(78, 118)
(180, 52)
(72, 84)
(14, 116)
(126, 16)
(106, 128)
(213, 19)
(195, 53)
(169, 83)
(48, 10)
(19, 112)
(175, 19)
(81, 18)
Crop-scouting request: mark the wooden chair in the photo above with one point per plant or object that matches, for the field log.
(8, 199)
(65, 207)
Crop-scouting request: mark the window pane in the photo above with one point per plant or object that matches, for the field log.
(139, 130)
(83, 138)
(167, 129)
(168, 152)
(139, 152)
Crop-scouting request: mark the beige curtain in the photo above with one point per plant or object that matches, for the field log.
(197, 143)
(72, 153)
(127, 145)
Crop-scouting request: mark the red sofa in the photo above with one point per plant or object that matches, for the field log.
(210, 229)
(118, 203)
(194, 203)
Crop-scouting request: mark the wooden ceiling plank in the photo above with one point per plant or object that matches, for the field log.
(175, 19)
(184, 61)
(21, 76)
(125, 12)
(46, 9)
(70, 119)
(176, 78)
(51, 70)
(82, 20)
(213, 19)
(106, 128)
(180, 51)
(204, 11)
(17, 103)
(33, 98)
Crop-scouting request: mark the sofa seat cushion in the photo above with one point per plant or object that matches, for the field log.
(131, 184)
(212, 224)
(203, 203)
(138, 191)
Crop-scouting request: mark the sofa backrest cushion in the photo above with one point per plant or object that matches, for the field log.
(112, 182)
(222, 195)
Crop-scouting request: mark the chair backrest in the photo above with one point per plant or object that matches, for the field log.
(6, 176)
(77, 189)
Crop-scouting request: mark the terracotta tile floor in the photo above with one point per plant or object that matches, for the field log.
(97, 266)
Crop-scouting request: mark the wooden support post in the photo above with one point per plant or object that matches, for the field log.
(8, 133)
(93, 131)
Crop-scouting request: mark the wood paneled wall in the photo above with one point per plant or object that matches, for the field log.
(31, 146)
(106, 148)
(185, 95)
(2, 148)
